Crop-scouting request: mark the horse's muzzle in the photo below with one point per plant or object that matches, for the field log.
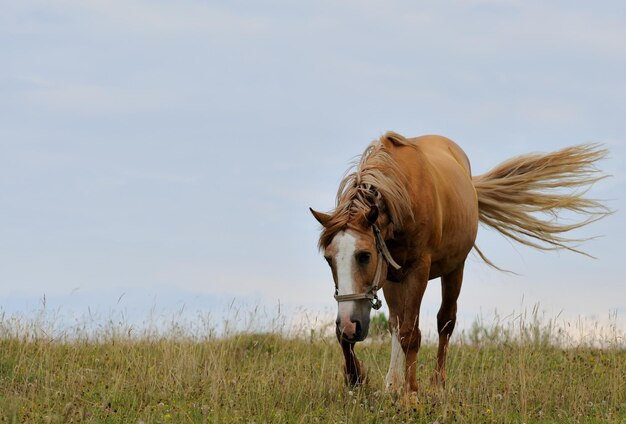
(354, 329)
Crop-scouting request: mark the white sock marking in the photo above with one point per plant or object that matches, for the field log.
(395, 376)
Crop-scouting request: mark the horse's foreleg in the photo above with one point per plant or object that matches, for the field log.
(394, 380)
(446, 319)
(410, 340)
(394, 296)
(354, 369)
(410, 334)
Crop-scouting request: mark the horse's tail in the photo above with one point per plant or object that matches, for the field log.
(524, 197)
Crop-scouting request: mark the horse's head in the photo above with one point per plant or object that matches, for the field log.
(355, 259)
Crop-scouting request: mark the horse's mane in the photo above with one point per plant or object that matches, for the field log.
(376, 179)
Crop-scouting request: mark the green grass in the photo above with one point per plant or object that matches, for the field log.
(265, 377)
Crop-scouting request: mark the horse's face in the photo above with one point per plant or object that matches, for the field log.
(352, 257)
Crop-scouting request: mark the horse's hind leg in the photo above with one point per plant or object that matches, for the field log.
(446, 319)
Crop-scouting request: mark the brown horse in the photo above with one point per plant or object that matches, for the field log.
(409, 213)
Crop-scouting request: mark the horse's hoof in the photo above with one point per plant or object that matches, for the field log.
(392, 388)
(354, 380)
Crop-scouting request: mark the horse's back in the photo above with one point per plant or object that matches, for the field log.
(453, 212)
(437, 148)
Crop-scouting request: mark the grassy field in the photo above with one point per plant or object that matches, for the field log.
(494, 375)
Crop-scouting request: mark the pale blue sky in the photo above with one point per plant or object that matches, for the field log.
(170, 150)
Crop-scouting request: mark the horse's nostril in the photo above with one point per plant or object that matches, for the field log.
(357, 332)
(337, 321)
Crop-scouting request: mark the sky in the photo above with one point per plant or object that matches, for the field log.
(162, 156)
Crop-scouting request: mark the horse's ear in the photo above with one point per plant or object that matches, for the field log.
(321, 217)
(372, 215)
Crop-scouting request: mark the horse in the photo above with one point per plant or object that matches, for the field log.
(409, 213)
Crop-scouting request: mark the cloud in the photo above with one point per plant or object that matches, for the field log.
(59, 97)
(161, 20)
(161, 177)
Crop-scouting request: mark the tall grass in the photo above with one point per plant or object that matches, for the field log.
(516, 370)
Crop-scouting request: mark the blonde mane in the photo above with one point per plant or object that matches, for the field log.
(376, 179)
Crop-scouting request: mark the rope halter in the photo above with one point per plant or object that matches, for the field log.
(383, 253)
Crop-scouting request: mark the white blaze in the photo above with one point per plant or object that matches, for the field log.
(345, 243)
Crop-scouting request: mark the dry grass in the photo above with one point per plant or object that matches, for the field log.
(496, 374)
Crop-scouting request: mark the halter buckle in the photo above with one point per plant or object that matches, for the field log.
(376, 302)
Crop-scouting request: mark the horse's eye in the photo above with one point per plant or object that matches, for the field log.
(329, 260)
(363, 258)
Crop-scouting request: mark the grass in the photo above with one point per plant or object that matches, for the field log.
(508, 373)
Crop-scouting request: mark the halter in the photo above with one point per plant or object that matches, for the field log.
(383, 252)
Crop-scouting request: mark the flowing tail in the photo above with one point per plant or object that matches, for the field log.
(524, 197)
